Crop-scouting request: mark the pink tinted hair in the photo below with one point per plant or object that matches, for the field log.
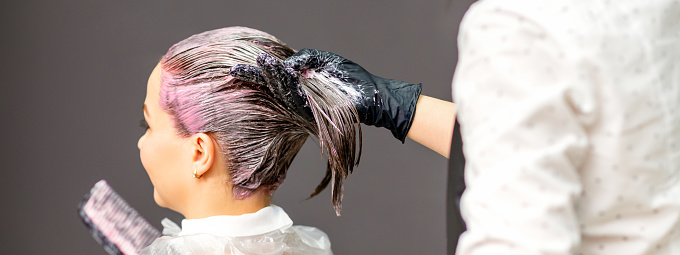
(256, 133)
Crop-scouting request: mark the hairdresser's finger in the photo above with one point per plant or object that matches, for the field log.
(285, 83)
(293, 85)
(247, 73)
(279, 81)
(274, 72)
(306, 59)
(266, 62)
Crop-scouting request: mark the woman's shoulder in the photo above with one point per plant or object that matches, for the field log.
(291, 240)
(313, 237)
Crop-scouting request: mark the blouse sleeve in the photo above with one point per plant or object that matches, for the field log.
(523, 112)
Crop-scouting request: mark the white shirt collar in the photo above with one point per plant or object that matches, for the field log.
(263, 221)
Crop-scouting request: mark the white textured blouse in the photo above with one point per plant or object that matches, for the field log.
(570, 119)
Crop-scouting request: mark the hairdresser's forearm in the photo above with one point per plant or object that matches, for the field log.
(433, 124)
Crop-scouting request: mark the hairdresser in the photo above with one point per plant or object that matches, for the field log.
(570, 116)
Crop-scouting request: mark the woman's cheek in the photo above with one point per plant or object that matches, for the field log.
(146, 156)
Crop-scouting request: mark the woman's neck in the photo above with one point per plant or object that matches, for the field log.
(216, 202)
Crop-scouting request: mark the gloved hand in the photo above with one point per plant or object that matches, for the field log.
(380, 102)
(283, 82)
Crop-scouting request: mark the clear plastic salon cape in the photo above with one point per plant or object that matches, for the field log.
(286, 241)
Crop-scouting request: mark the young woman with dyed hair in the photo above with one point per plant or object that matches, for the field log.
(216, 147)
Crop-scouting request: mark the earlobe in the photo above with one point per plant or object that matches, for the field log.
(204, 154)
(195, 174)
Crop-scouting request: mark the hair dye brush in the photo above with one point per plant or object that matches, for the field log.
(113, 223)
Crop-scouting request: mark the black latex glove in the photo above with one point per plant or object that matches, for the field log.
(283, 82)
(380, 102)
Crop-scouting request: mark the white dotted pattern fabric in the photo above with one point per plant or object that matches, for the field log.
(570, 118)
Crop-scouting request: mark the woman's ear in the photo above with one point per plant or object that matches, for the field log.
(204, 149)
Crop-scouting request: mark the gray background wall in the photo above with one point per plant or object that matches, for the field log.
(73, 81)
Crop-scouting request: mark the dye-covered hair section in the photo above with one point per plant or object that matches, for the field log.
(257, 134)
